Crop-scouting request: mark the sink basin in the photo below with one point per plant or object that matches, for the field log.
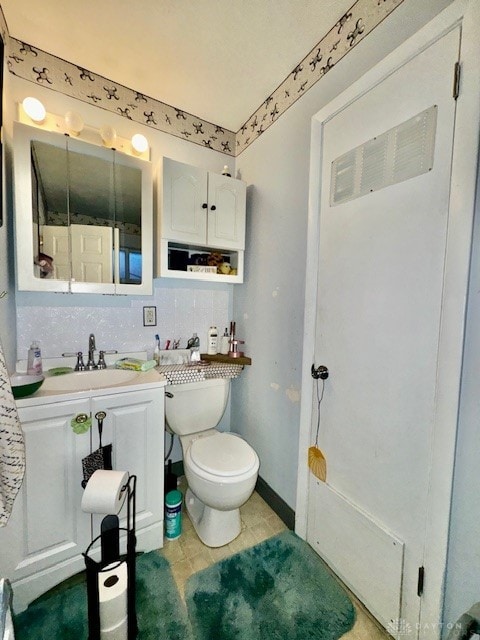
(87, 380)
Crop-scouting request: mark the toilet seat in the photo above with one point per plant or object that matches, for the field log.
(223, 455)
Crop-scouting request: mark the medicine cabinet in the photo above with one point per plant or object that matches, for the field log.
(83, 216)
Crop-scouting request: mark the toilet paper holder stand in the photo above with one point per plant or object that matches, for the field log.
(109, 539)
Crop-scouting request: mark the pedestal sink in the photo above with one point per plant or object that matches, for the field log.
(87, 380)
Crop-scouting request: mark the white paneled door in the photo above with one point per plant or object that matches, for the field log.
(384, 222)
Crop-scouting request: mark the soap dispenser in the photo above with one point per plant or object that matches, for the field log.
(34, 360)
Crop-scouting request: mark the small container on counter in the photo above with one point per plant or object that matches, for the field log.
(34, 360)
(225, 343)
(212, 341)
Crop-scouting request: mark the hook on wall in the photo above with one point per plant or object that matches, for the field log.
(319, 372)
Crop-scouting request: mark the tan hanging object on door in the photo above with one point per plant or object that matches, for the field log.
(316, 459)
(317, 463)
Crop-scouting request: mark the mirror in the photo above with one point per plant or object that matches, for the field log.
(83, 214)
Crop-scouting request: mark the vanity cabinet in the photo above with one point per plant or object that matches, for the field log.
(134, 425)
(47, 532)
(200, 212)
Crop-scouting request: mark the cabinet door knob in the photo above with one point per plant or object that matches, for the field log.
(204, 205)
(213, 208)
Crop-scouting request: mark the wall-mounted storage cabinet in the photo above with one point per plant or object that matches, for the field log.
(83, 216)
(200, 212)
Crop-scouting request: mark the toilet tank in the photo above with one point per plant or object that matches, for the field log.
(196, 406)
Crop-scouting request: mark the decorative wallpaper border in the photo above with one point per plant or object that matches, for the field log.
(49, 71)
(360, 20)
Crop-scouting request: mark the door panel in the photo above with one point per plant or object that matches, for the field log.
(56, 244)
(135, 428)
(226, 212)
(381, 268)
(184, 193)
(92, 253)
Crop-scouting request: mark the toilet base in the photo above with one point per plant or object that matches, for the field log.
(215, 528)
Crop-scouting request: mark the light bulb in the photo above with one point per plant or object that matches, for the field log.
(34, 109)
(74, 122)
(108, 135)
(139, 143)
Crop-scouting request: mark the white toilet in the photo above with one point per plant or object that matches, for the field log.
(221, 468)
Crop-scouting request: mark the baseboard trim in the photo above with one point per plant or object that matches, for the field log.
(276, 503)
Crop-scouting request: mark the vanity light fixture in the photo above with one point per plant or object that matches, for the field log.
(139, 143)
(108, 135)
(34, 109)
(74, 122)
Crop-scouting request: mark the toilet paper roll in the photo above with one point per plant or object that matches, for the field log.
(119, 632)
(105, 492)
(112, 595)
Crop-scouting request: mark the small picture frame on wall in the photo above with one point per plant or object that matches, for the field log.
(149, 316)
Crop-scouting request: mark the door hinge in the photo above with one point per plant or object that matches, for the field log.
(421, 580)
(456, 80)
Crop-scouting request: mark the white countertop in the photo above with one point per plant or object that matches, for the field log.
(143, 380)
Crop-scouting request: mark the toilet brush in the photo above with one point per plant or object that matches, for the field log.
(316, 460)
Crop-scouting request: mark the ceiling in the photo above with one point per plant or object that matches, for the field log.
(214, 59)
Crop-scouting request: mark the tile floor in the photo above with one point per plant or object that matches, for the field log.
(188, 554)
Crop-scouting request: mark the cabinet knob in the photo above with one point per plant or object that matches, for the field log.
(204, 205)
(213, 208)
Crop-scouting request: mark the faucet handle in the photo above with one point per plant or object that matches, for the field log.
(101, 364)
(80, 366)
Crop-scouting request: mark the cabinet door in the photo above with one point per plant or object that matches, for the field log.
(134, 425)
(184, 203)
(226, 212)
(43, 541)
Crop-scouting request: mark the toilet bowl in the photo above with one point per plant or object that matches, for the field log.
(221, 468)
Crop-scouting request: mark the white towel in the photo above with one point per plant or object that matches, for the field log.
(12, 446)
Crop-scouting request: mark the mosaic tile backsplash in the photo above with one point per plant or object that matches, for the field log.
(180, 312)
(45, 69)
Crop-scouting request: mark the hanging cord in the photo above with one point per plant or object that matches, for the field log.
(172, 436)
(319, 402)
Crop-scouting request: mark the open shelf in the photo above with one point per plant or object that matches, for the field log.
(175, 257)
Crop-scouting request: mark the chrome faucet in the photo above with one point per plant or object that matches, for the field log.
(91, 352)
(90, 366)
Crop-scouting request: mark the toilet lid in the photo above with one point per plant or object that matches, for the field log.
(223, 454)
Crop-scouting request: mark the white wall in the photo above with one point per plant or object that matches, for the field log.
(269, 306)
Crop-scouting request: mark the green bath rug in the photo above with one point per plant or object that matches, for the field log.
(61, 614)
(277, 590)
